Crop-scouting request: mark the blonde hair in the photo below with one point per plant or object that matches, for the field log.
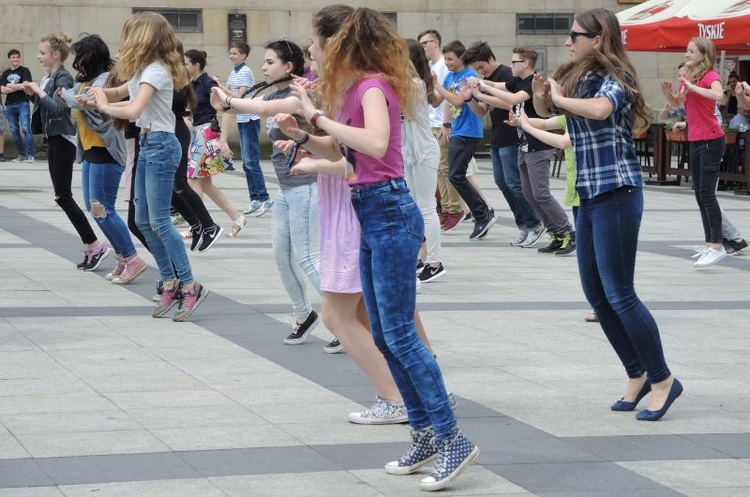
(707, 50)
(58, 42)
(367, 43)
(148, 37)
(610, 58)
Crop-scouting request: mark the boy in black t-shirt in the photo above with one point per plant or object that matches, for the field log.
(533, 155)
(17, 106)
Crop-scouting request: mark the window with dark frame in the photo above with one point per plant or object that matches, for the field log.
(393, 16)
(182, 20)
(543, 24)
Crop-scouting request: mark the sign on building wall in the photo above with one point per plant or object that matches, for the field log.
(237, 27)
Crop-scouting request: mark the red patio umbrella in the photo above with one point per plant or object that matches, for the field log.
(668, 25)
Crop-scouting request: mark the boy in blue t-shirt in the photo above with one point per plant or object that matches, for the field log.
(463, 127)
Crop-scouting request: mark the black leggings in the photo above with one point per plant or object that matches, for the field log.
(60, 157)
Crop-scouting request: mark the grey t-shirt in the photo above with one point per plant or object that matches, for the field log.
(282, 173)
(158, 115)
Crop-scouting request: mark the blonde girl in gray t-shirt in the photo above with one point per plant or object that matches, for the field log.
(152, 67)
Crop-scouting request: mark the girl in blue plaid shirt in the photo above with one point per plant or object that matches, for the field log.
(598, 91)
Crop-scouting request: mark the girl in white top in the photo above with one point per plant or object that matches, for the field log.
(150, 62)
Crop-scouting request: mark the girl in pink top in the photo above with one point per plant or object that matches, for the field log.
(364, 93)
(702, 89)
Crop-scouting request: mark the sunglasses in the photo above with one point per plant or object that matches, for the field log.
(575, 34)
(424, 43)
(517, 62)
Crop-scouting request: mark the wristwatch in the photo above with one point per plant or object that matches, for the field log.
(314, 119)
(447, 125)
(303, 140)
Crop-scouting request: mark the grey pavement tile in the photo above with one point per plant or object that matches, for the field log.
(361, 456)
(192, 487)
(651, 492)
(28, 364)
(184, 417)
(66, 384)
(319, 484)
(257, 461)
(715, 492)
(90, 443)
(168, 398)
(339, 431)
(235, 436)
(695, 474)
(734, 445)
(22, 473)
(64, 422)
(116, 468)
(31, 492)
(32, 403)
(474, 481)
(645, 447)
(574, 477)
(9, 446)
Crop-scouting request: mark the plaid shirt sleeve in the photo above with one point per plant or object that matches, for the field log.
(604, 149)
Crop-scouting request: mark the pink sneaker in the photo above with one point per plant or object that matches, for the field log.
(133, 268)
(190, 301)
(117, 271)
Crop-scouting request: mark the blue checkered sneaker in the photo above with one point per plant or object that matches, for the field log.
(454, 454)
(421, 452)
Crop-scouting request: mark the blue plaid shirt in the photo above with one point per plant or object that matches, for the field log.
(605, 151)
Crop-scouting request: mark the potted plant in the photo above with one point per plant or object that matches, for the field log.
(675, 135)
(730, 133)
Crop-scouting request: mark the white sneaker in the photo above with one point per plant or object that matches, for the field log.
(533, 237)
(31, 159)
(522, 235)
(264, 207)
(254, 206)
(710, 257)
(19, 159)
(699, 251)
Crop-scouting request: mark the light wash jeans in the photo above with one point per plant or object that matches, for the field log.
(422, 182)
(295, 243)
(392, 231)
(154, 179)
(250, 150)
(19, 120)
(100, 184)
(508, 179)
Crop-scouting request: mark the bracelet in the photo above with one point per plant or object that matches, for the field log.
(303, 140)
(314, 119)
(229, 101)
(467, 100)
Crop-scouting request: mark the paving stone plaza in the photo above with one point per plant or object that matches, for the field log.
(97, 398)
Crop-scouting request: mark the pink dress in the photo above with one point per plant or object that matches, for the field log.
(339, 236)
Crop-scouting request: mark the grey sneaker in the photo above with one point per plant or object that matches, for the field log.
(454, 454)
(254, 206)
(423, 450)
(189, 302)
(382, 412)
(522, 235)
(533, 236)
(31, 159)
(169, 298)
(264, 207)
(18, 159)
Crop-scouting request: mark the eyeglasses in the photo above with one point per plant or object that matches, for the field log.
(517, 61)
(575, 34)
(424, 43)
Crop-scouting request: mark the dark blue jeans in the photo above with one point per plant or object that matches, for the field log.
(100, 185)
(606, 244)
(508, 179)
(392, 231)
(250, 150)
(705, 160)
(19, 119)
(460, 151)
(158, 159)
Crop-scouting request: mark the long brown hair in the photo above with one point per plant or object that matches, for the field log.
(419, 60)
(367, 43)
(610, 57)
(707, 50)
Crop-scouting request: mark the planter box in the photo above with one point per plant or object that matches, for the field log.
(675, 136)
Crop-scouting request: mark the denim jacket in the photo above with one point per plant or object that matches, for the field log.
(55, 117)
